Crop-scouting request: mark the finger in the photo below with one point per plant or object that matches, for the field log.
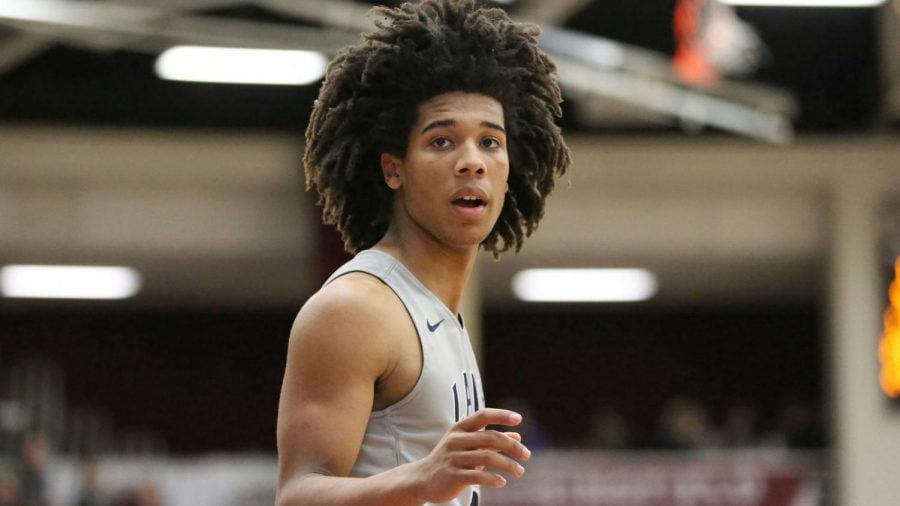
(489, 416)
(490, 440)
(514, 435)
(525, 453)
(483, 478)
(480, 459)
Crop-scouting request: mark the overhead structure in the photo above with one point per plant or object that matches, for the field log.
(603, 78)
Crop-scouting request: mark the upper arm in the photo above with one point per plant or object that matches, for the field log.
(336, 353)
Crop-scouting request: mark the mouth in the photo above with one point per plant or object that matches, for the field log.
(469, 201)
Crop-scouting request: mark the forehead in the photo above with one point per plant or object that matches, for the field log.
(460, 106)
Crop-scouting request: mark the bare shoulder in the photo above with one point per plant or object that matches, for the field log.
(354, 298)
(353, 317)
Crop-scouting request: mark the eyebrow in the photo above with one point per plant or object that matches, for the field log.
(451, 122)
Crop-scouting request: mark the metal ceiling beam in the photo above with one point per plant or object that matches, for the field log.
(589, 66)
(334, 13)
(19, 47)
(542, 12)
(104, 25)
(690, 108)
(234, 33)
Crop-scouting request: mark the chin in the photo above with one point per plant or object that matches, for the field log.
(466, 237)
(466, 243)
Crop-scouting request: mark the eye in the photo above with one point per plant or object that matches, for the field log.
(440, 142)
(490, 143)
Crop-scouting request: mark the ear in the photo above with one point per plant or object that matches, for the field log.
(390, 168)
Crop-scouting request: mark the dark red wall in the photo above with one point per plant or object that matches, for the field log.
(210, 381)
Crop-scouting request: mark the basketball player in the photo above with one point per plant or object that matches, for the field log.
(430, 140)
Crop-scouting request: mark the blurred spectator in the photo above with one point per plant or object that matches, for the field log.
(609, 430)
(144, 494)
(34, 455)
(149, 495)
(798, 427)
(533, 434)
(684, 425)
(91, 493)
(739, 426)
(9, 489)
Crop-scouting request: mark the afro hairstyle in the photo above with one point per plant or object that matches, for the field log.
(370, 97)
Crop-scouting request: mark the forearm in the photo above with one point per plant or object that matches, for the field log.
(390, 488)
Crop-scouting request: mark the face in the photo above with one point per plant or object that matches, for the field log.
(451, 185)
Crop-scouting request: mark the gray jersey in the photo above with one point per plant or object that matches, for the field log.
(448, 389)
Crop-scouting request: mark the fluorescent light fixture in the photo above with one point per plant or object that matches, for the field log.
(68, 282)
(584, 285)
(240, 65)
(806, 3)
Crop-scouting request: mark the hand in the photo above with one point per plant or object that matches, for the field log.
(468, 455)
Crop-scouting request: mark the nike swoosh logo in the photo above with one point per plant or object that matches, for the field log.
(432, 328)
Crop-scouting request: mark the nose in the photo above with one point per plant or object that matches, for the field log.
(470, 161)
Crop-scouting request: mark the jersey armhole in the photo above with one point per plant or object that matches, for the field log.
(423, 350)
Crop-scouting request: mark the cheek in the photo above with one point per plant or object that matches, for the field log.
(502, 176)
(503, 163)
(422, 186)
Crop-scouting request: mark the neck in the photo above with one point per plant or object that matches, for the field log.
(445, 271)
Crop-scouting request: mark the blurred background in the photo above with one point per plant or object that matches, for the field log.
(741, 158)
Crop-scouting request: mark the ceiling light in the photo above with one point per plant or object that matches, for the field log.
(68, 282)
(584, 285)
(806, 3)
(241, 65)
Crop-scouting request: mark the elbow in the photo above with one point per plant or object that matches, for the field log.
(290, 491)
(287, 496)
(285, 492)
(280, 497)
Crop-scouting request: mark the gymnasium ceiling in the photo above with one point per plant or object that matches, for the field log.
(95, 63)
(103, 162)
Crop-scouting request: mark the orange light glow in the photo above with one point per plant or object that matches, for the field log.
(889, 347)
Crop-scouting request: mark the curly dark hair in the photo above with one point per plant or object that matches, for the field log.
(370, 97)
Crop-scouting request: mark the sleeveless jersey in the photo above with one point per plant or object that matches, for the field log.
(448, 389)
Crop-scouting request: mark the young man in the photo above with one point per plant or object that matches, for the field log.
(432, 139)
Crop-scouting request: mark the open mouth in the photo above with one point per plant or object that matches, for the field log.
(469, 202)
